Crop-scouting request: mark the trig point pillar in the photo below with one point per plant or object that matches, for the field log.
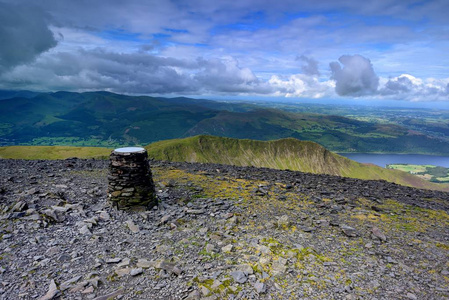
(130, 180)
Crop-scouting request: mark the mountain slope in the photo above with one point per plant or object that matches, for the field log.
(288, 153)
(111, 120)
(53, 152)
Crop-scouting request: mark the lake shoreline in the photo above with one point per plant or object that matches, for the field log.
(383, 159)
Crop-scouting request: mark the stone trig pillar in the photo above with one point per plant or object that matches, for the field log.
(130, 180)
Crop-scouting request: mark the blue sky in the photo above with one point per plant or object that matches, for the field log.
(330, 49)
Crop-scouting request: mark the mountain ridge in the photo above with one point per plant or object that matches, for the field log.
(112, 120)
(290, 153)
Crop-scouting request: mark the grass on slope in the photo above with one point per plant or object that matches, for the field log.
(288, 153)
(53, 152)
(281, 154)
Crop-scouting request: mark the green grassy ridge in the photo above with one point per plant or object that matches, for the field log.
(53, 152)
(287, 153)
(290, 153)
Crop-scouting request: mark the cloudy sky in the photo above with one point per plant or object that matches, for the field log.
(326, 49)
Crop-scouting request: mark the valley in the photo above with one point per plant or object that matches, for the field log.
(104, 119)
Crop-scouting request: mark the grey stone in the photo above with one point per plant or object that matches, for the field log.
(210, 248)
(110, 295)
(284, 221)
(54, 215)
(260, 287)
(51, 293)
(194, 295)
(348, 231)
(227, 248)
(133, 227)
(114, 260)
(378, 234)
(135, 272)
(143, 263)
(85, 230)
(239, 276)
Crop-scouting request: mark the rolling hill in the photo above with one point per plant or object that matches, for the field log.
(111, 120)
(288, 153)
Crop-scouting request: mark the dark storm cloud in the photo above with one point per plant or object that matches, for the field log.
(24, 35)
(310, 66)
(356, 77)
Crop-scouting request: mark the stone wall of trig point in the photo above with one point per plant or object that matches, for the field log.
(130, 179)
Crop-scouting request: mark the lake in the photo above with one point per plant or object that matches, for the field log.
(384, 159)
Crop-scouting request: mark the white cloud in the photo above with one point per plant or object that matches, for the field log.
(408, 87)
(300, 85)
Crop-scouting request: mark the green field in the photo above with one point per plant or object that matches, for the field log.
(428, 172)
(53, 152)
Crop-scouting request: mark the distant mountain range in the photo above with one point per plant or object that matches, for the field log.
(107, 119)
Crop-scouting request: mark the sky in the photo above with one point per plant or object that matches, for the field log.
(343, 50)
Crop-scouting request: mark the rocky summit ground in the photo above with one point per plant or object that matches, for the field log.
(219, 232)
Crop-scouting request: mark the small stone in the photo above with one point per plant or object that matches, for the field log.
(227, 248)
(122, 272)
(210, 248)
(283, 221)
(279, 266)
(194, 295)
(110, 295)
(135, 272)
(411, 296)
(260, 287)
(264, 261)
(263, 249)
(85, 230)
(391, 260)
(124, 263)
(348, 231)
(205, 291)
(52, 292)
(177, 271)
(239, 276)
(246, 268)
(143, 263)
(164, 219)
(52, 251)
(53, 215)
(89, 290)
(19, 206)
(92, 220)
(377, 233)
(216, 284)
(133, 227)
(104, 216)
(113, 260)
(195, 211)
(65, 285)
